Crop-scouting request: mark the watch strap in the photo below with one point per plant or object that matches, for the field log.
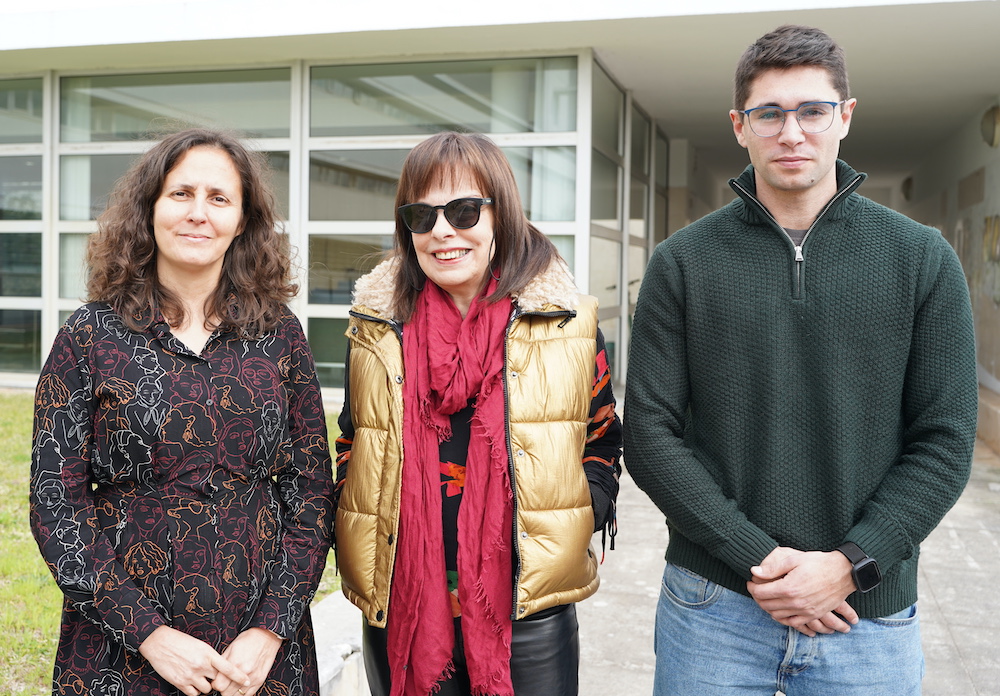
(853, 552)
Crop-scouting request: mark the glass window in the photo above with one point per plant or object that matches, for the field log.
(86, 182)
(566, 246)
(636, 269)
(354, 184)
(605, 271)
(21, 111)
(361, 184)
(524, 95)
(20, 188)
(20, 340)
(639, 200)
(280, 164)
(546, 179)
(329, 349)
(662, 161)
(608, 104)
(21, 264)
(660, 216)
(72, 271)
(604, 191)
(130, 107)
(640, 142)
(336, 261)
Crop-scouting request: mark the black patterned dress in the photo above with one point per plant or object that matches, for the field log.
(179, 489)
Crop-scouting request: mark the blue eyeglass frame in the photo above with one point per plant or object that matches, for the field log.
(746, 112)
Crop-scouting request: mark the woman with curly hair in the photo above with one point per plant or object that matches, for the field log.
(180, 484)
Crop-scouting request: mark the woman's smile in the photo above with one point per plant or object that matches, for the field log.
(456, 260)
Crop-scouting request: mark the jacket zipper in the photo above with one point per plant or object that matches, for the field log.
(514, 316)
(394, 325)
(799, 258)
(516, 578)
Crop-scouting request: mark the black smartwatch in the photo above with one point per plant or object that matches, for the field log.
(864, 569)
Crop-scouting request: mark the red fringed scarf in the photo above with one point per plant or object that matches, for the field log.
(448, 361)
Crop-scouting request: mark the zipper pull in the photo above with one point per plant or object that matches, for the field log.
(798, 254)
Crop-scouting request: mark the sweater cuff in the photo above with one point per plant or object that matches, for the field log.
(747, 547)
(882, 538)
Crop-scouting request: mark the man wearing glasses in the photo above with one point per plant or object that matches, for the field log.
(801, 405)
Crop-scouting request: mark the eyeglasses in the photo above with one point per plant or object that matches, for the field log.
(461, 213)
(813, 117)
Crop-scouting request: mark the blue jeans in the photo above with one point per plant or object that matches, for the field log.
(711, 641)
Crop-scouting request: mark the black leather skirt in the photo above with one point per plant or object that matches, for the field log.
(544, 660)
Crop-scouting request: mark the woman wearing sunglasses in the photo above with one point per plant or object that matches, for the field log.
(480, 446)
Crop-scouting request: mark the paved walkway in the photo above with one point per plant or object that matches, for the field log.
(959, 595)
(959, 589)
(959, 598)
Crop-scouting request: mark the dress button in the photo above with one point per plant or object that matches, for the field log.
(354, 331)
(524, 535)
(520, 453)
(513, 375)
(380, 615)
(399, 379)
(209, 402)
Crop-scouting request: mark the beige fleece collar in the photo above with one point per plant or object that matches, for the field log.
(553, 287)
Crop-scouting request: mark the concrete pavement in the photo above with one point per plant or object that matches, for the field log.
(959, 589)
(959, 595)
(959, 601)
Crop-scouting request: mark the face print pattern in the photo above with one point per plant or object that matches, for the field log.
(170, 488)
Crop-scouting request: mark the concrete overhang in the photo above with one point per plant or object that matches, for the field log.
(919, 70)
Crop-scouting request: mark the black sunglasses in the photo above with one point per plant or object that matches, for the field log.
(461, 213)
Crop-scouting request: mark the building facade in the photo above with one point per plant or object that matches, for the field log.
(590, 166)
(614, 117)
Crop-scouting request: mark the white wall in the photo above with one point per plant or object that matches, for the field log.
(957, 189)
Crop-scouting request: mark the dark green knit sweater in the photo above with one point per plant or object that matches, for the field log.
(802, 403)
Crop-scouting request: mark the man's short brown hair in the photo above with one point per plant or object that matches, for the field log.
(790, 46)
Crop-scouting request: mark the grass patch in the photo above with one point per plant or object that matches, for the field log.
(30, 602)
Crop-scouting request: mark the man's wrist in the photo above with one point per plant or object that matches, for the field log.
(864, 569)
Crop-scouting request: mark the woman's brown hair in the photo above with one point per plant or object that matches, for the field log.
(121, 255)
(522, 251)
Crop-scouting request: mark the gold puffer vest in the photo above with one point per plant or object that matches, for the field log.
(550, 353)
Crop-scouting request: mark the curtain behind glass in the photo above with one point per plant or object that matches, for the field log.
(21, 111)
(487, 96)
(257, 103)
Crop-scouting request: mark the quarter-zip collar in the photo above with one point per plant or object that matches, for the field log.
(753, 211)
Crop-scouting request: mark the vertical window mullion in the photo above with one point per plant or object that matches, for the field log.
(50, 211)
(298, 180)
